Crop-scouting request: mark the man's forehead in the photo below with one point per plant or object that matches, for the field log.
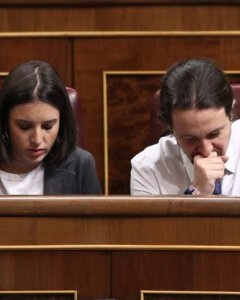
(198, 122)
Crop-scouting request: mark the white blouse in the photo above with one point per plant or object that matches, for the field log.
(22, 184)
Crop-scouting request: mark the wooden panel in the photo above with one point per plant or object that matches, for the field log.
(128, 115)
(115, 2)
(38, 295)
(116, 247)
(189, 295)
(84, 271)
(102, 231)
(119, 221)
(56, 51)
(130, 271)
(174, 270)
(117, 17)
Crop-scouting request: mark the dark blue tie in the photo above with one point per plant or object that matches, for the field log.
(218, 188)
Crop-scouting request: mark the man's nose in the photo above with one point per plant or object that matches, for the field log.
(205, 148)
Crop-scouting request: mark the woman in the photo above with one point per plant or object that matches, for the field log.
(38, 136)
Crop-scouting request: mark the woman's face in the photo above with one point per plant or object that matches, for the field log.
(32, 128)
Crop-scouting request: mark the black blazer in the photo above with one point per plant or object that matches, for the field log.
(76, 175)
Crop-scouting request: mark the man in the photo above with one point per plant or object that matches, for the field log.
(203, 151)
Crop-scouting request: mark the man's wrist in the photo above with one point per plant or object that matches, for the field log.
(192, 190)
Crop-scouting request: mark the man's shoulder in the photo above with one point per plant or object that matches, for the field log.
(236, 125)
(235, 133)
(166, 148)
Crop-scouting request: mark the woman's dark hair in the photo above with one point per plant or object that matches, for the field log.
(37, 80)
(194, 84)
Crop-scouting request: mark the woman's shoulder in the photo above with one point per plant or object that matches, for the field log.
(78, 159)
(80, 155)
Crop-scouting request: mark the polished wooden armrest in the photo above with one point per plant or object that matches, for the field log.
(119, 205)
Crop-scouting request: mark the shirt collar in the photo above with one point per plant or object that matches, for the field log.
(231, 163)
(187, 164)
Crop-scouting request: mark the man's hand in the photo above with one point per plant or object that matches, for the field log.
(207, 170)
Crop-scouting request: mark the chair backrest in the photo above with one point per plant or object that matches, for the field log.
(159, 128)
(76, 105)
(236, 95)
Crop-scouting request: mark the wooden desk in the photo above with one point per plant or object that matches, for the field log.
(118, 246)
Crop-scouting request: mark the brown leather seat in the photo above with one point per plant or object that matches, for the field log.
(76, 105)
(159, 128)
(236, 94)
